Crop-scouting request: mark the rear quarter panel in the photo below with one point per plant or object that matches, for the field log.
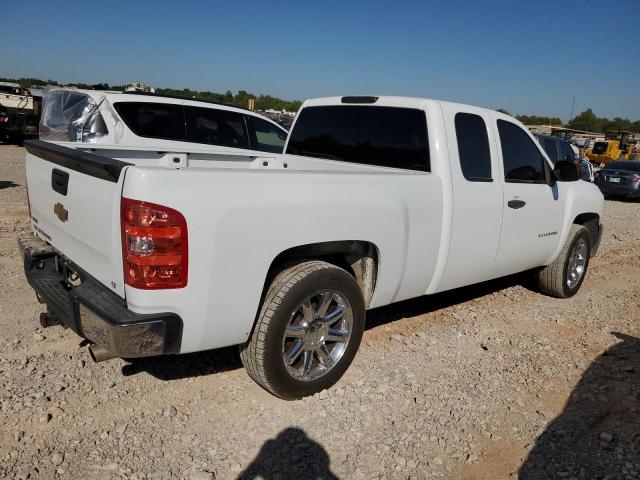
(239, 221)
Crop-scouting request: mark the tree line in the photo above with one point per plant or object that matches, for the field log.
(241, 99)
(586, 120)
(589, 121)
(262, 102)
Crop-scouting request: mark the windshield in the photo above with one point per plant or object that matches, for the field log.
(383, 136)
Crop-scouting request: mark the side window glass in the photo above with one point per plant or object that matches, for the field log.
(550, 146)
(265, 136)
(523, 162)
(153, 120)
(216, 127)
(473, 147)
(567, 152)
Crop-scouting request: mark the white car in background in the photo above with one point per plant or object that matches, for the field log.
(141, 120)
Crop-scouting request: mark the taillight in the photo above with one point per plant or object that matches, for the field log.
(635, 178)
(154, 245)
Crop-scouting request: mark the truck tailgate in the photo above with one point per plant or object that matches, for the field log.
(74, 198)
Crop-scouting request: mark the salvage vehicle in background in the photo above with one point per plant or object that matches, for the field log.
(560, 149)
(19, 113)
(617, 145)
(142, 120)
(376, 200)
(620, 179)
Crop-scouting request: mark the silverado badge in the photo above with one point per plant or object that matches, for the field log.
(61, 212)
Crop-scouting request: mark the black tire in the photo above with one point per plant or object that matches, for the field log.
(552, 280)
(262, 355)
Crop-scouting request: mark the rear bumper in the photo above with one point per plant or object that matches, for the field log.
(91, 310)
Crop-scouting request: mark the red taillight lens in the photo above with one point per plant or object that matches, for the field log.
(154, 245)
(635, 179)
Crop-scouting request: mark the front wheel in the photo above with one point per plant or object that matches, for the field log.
(563, 277)
(307, 332)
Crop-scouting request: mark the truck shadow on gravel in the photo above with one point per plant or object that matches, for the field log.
(431, 303)
(598, 434)
(292, 454)
(226, 359)
(188, 365)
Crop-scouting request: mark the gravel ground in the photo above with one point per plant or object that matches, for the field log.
(489, 382)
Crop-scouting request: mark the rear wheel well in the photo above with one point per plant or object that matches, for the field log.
(359, 258)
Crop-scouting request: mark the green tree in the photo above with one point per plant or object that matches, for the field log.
(586, 120)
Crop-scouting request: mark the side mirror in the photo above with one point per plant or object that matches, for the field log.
(566, 171)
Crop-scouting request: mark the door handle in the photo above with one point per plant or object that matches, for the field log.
(516, 204)
(59, 181)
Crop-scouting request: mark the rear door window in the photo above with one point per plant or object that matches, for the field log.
(153, 120)
(265, 136)
(523, 162)
(372, 135)
(216, 127)
(473, 147)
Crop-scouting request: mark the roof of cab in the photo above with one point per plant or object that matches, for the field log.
(402, 102)
(375, 100)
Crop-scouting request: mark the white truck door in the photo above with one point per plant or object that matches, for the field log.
(533, 209)
(477, 196)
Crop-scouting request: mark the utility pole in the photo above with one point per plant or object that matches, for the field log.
(572, 104)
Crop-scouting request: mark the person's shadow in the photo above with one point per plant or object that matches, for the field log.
(292, 454)
(597, 436)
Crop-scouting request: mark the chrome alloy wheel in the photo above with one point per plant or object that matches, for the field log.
(317, 335)
(577, 263)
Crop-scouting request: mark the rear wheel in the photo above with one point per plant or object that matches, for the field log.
(565, 275)
(308, 330)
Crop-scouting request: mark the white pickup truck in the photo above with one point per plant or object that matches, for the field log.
(376, 199)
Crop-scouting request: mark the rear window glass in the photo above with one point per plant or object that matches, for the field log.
(216, 127)
(383, 136)
(154, 120)
(473, 147)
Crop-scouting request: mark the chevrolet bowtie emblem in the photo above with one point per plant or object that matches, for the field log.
(61, 212)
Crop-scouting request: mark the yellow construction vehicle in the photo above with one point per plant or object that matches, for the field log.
(617, 145)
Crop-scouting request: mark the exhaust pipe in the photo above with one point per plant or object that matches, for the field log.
(99, 354)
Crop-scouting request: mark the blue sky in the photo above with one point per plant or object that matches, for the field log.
(528, 57)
